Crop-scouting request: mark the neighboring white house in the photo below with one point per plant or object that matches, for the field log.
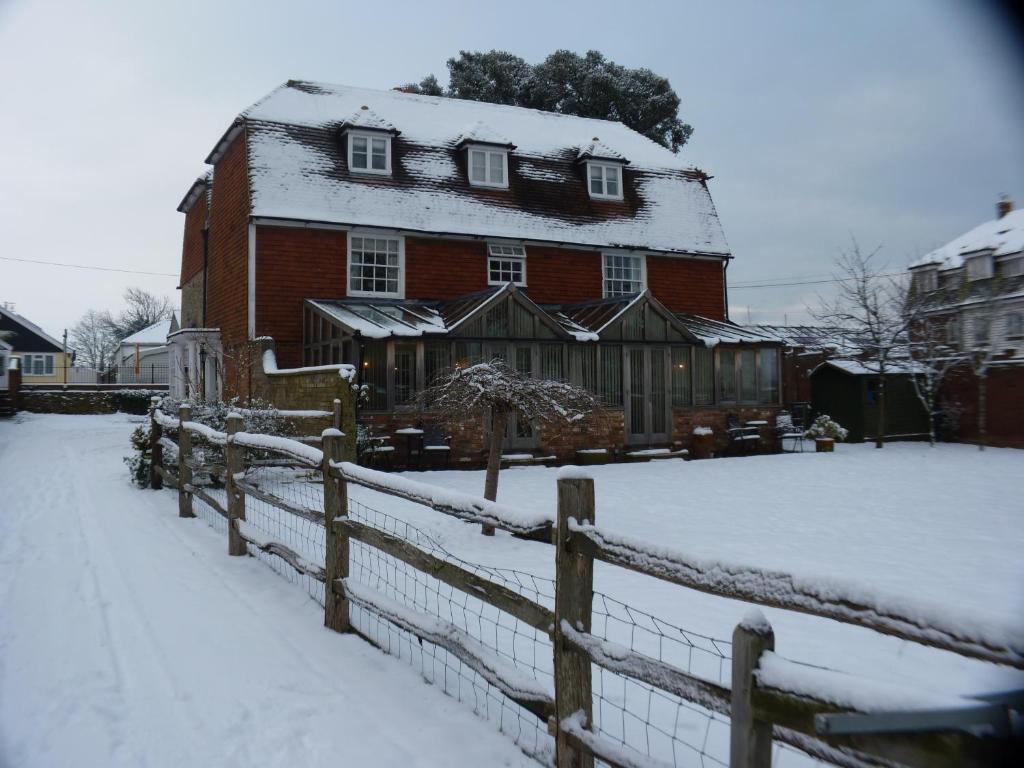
(142, 357)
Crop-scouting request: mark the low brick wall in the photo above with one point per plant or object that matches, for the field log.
(94, 402)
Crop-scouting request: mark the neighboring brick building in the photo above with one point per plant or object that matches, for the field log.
(974, 287)
(405, 233)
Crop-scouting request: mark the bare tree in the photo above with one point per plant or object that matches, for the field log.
(142, 309)
(933, 352)
(93, 340)
(868, 305)
(494, 391)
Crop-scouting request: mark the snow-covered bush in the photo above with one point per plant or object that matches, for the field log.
(140, 460)
(823, 426)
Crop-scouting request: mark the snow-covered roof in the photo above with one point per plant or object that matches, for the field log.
(597, 149)
(28, 324)
(153, 334)
(1001, 236)
(481, 133)
(808, 337)
(379, 320)
(859, 368)
(367, 119)
(714, 332)
(298, 171)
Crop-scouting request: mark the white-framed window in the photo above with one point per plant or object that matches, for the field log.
(488, 167)
(506, 264)
(37, 365)
(369, 152)
(604, 180)
(1012, 267)
(376, 266)
(979, 268)
(982, 326)
(624, 274)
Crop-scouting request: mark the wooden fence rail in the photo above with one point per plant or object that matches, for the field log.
(759, 712)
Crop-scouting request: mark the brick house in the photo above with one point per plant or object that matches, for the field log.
(405, 234)
(974, 286)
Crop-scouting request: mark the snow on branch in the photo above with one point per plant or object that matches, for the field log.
(465, 506)
(841, 601)
(497, 671)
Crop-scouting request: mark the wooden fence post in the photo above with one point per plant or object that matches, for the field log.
(156, 450)
(184, 467)
(235, 460)
(574, 595)
(337, 415)
(336, 614)
(750, 743)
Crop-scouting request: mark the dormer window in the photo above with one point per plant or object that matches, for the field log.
(605, 180)
(927, 280)
(488, 167)
(369, 142)
(979, 267)
(369, 152)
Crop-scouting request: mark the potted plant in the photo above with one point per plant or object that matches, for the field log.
(703, 443)
(825, 433)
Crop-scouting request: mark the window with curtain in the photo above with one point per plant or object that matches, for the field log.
(583, 366)
(681, 384)
(727, 375)
(748, 375)
(551, 366)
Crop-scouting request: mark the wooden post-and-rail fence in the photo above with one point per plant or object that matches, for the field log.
(759, 712)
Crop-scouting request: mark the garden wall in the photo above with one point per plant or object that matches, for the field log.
(87, 402)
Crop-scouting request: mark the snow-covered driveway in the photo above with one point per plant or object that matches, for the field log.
(128, 637)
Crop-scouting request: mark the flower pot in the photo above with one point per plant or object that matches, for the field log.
(703, 446)
(824, 444)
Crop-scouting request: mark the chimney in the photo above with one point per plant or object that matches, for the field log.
(1004, 206)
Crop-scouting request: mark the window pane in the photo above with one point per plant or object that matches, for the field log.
(374, 265)
(375, 376)
(611, 375)
(583, 366)
(359, 152)
(497, 169)
(727, 374)
(622, 275)
(748, 375)
(437, 358)
(380, 154)
(703, 376)
(680, 376)
(405, 373)
(596, 180)
(611, 180)
(551, 362)
(769, 375)
(49, 364)
(478, 165)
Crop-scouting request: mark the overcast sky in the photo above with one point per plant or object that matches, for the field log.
(899, 123)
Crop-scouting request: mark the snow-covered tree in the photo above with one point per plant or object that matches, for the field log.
(868, 305)
(494, 391)
(93, 341)
(933, 353)
(587, 86)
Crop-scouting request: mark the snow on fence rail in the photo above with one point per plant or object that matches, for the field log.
(769, 697)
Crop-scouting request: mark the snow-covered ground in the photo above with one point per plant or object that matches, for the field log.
(128, 637)
(942, 526)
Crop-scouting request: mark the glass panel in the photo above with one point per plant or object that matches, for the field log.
(380, 154)
(611, 375)
(659, 404)
(496, 320)
(405, 373)
(497, 169)
(468, 353)
(727, 374)
(375, 376)
(596, 180)
(681, 376)
(703, 376)
(583, 366)
(359, 151)
(637, 401)
(611, 174)
(622, 275)
(437, 358)
(477, 165)
(769, 375)
(748, 375)
(551, 362)
(374, 265)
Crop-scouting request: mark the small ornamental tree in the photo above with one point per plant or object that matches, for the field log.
(494, 391)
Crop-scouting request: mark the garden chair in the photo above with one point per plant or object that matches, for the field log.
(742, 439)
(437, 446)
(786, 429)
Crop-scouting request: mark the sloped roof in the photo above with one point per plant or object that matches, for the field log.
(367, 119)
(1002, 236)
(152, 334)
(33, 339)
(298, 171)
(859, 368)
(481, 133)
(811, 337)
(714, 332)
(598, 150)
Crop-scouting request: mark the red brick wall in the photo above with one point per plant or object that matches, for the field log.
(444, 269)
(227, 284)
(294, 264)
(192, 243)
(557, 276)
(688, 285)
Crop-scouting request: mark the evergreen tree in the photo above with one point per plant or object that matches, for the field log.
(588, 86)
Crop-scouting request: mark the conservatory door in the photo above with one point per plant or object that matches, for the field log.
(647, 413)
(520, 435)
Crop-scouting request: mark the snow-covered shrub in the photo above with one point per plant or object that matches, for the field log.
(140, 460)
(823, 426)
